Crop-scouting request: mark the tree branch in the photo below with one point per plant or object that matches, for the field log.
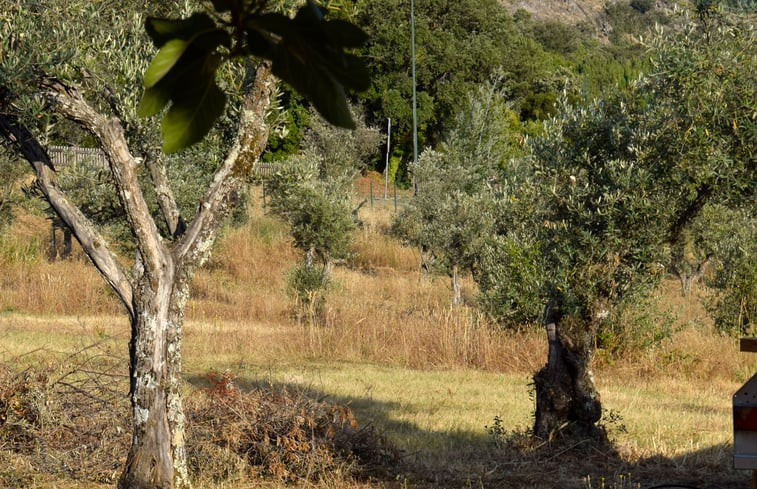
(252, 136)
(675, 232)
(91, 241)
(166, 200)
(69, 102)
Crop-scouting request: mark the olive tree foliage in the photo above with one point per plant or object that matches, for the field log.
(733, 278)
(11, 182)
(460, 184)
(623, 180)
(509, 266)
(313, 193)
(106, 55)
(705, 90)
(83, 62)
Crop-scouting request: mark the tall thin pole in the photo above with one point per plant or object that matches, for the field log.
(388, 149)
(415, 114)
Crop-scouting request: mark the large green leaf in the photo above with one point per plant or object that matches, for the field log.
(153, 100)
(316, 83)
(164, 61)
(343, 33)
(308, 54)
(189, 67)
(163, 30)
(196, 106)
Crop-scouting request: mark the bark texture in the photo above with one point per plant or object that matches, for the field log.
(566, 398)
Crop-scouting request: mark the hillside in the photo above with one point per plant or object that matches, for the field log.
(574, 12)
(571, 12)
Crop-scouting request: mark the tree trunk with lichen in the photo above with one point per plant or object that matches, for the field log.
(157, 457)
(566, 398)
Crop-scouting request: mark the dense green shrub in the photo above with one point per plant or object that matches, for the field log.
(636, 325)
(308, 285)
(734, 307)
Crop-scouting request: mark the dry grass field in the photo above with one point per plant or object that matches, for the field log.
(446, 391)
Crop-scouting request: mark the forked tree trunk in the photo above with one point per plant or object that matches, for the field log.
(566, 397)
(427, 260)
(689, 274)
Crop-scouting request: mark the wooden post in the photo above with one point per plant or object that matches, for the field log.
(395, 196)
(748, 344)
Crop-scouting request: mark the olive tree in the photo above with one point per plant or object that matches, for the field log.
(83, 62)
(600, 231)
(623, 179)
(312, 192)
(459, 184)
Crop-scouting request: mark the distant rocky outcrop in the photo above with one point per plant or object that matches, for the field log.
(584, 13)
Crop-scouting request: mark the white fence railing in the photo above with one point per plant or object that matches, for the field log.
(67, 155)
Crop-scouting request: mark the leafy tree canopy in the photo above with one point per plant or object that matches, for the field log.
(458, 45)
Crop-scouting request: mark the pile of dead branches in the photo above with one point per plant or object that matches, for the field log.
(280, 433)
(67, 416)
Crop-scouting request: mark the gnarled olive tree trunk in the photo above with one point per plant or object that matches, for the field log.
(565, 393)
(155, 293)
(157, 456)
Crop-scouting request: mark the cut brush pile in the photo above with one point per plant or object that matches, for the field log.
(69, 417)
(280, 433)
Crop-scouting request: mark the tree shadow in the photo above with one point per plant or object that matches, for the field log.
(515, 459)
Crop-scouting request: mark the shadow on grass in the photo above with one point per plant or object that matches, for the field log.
(502, 459)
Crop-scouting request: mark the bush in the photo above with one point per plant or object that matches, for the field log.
(638, 324)
(278, 433)
(558, 37)
(642, 6)
(733, 279)
(307, 285)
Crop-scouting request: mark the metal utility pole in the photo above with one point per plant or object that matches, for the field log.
(415, 114)
(388, 149)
